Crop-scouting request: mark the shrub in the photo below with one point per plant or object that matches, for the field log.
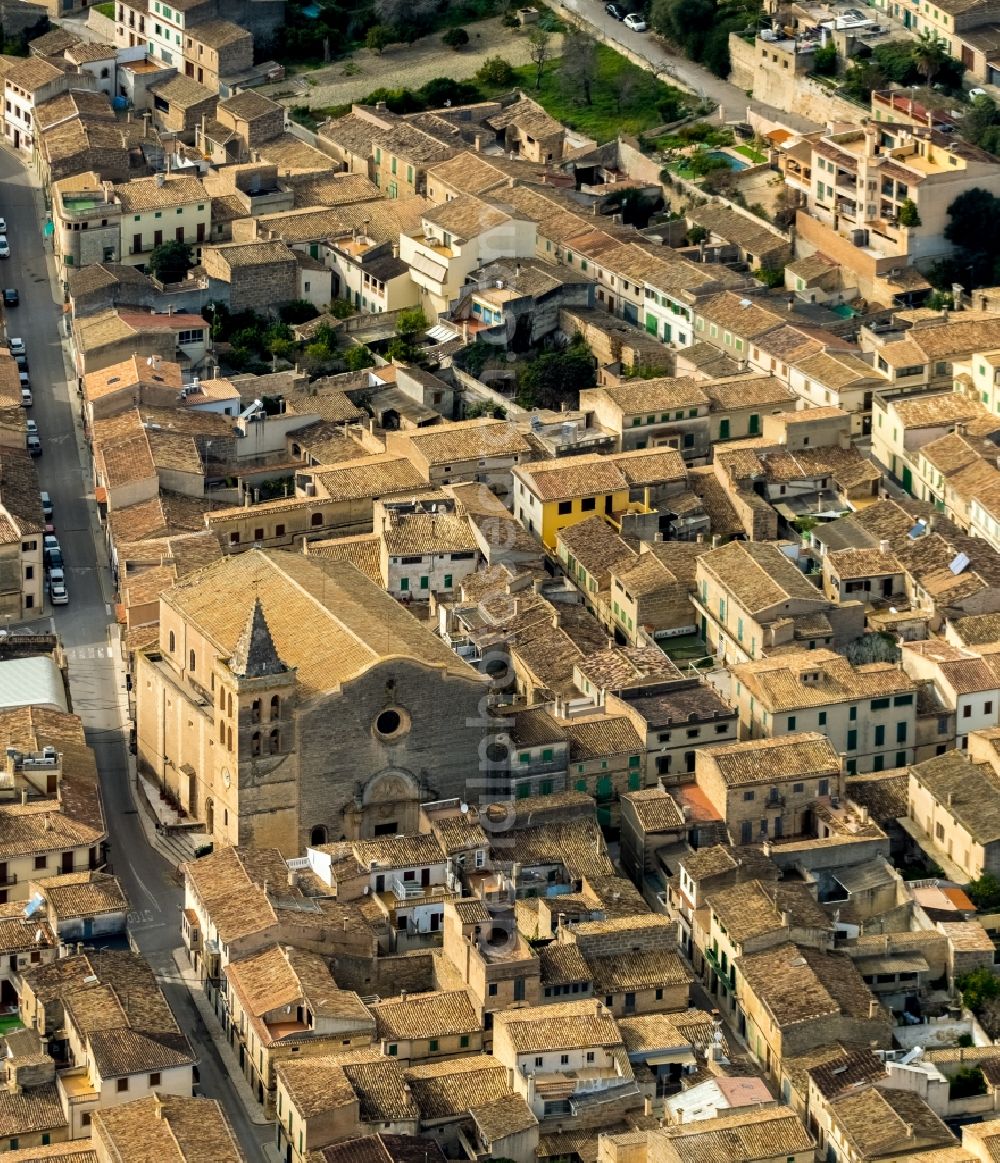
(456, 38)
(378, 37)
(358, 358)
(495, 71)
(298, 311)
(909, 215)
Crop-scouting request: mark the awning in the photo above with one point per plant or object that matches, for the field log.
(671, 1058)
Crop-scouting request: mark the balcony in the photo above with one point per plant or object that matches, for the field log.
(408, 890)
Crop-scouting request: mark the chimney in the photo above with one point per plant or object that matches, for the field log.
(716, 540)
(24, 797)
(951, 796)
(647, 1107)
(873, 1008)
(883, 546)
(157, 1106)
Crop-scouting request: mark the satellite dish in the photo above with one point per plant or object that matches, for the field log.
(464, 809)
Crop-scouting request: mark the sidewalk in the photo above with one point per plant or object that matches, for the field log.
(190, 979)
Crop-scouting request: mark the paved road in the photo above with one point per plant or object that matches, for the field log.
(667, 64)
(151, 884)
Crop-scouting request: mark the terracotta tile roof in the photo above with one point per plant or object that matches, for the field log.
(424, 533)
(315, 1084)
(656, 395)
(467, 440)
(795, 984)
(426, 1015)
(362, 551)
(306, 601)
(651, 1032)
(755, 908)
(748, 1136)
(229, 883)
(455, 1086)
(370, 476)
(165, 1128)
(83, 894)
(398, 851)
(815, 678)
(568, 1025)
(651, 969)
(143, 194)
(758, 575)
(861, 563)
(249, 105)
(935, 411)
(595, 545)
(655, 809)
(880, 1122)
(574, 476)
(31, 1111)
(600, 736)
(884, 793)
(561, 963)
(790, 757)
(969, 791)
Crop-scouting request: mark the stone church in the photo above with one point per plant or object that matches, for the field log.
(291, 701)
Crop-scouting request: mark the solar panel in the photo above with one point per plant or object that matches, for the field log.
(917, 531)
(958, 563)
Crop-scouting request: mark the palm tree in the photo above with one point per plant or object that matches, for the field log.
(929, 54)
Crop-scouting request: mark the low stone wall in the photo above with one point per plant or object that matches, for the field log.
(103, 25)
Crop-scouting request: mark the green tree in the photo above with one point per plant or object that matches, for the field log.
(495, 71)
(170, 261)
(456, 38)
(979, 987)
(909, 215)
(297, 311)
(579, 65)
(378, 37)
(702, 163)
(771, 277)
(967, 1081)
(410, 322)
(825, 60)
(358, 358)
(557, 377)
(985, 892)
(929, 54)
(539, 50)
(697, 234)
(972, 229)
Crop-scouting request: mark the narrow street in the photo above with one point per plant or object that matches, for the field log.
(84, 626)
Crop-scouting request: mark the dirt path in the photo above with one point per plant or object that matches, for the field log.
(402, 65)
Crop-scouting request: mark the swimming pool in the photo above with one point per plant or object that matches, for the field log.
(734, 162)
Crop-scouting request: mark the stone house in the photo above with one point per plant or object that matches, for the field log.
(178, 106)
(254, 119)
(253, 276)
(421, 1027)
(217, 49)
(770, 788)
(791, 998)
(284, 1002)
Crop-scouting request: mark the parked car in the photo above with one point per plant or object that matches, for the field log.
(22, 362)
(635, 22)
(26, 398)
(3, 225)
(31, 427)
(16, 346)
(25, 379)
(52, 551)
(4, 246)
(10, 296)
(614, 12)
(57, 587)
(34, 445)
(47, 508)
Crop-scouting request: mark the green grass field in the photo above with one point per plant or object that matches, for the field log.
(602, 120)
(758, 159)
